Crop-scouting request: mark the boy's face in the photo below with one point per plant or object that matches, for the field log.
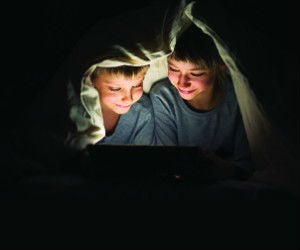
(117, 93)
(189, 79)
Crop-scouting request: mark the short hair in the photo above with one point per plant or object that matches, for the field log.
(194, 46)
(127, 71)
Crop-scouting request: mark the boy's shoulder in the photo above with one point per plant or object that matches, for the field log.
(230, 99)
(160, 86)
(143, 104)
(144, 100)
(230, 92)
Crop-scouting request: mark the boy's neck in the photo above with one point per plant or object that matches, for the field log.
(110, 120)
(207, 100)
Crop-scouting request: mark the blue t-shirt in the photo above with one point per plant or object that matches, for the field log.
(220, 130)
(136, 127)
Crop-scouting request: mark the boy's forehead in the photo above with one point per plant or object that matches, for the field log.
(185, 64)
(119, 78)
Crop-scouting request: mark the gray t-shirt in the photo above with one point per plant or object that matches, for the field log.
(136, 127)
(220, 130)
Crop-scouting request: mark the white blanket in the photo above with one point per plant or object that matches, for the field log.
(148, 36)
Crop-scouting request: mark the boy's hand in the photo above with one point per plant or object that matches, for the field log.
(217, 168)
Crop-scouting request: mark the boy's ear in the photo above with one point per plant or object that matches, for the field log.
(222, 67)
(92, 82)
(93, 85)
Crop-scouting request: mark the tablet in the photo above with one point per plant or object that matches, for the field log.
(143, 161)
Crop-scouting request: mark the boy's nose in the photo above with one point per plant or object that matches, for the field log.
(127, 96)
(183, 81)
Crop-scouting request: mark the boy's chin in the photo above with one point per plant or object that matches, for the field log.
(186, 98)
(122, 111)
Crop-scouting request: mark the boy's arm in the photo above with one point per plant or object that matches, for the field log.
(242, 159)
(144, 132)
(164, 122)
(220, 169)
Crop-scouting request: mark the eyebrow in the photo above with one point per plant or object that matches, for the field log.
(193, 69)
(197, 69)
(108, 82)
(120, 84)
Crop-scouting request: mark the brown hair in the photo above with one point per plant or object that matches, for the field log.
(198, 48)
(127, 71)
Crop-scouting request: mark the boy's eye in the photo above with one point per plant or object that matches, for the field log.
(114, 89)
(172, 69)
(138, 86)
(197, 74)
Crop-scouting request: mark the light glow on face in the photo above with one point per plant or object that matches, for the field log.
(118, 93)
(189, 79)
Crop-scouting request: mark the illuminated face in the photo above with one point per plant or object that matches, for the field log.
(117, 93)
(191, 81)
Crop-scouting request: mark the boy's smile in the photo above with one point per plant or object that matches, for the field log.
(117, 93)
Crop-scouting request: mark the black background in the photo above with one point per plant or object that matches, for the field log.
(36, 38)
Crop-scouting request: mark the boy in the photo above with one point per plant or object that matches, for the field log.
(127, 111)
(197, 106)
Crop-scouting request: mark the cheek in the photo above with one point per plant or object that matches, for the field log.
(172, 77)
(201, 83)
(107, 98)
(137, 94)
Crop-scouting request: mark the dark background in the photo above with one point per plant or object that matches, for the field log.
(37, 38)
